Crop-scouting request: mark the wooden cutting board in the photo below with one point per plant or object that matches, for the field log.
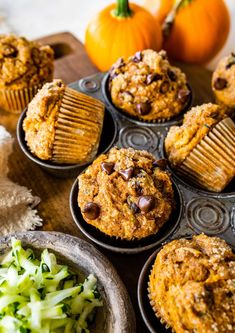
(72, 64)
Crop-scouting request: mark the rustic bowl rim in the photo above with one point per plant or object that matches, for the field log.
(87, 258)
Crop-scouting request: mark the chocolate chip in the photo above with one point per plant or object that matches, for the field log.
(108, 167)
(91, 210)
(233, 54)
(134, 207)
(138, 189)
(127, 173)
(146, 203)
(10, 51)
(164, 87)
(183, 95)
(172, 76)
(220, 83)
(143, 108)
(137, 57)
(153, 77)
(161, 163)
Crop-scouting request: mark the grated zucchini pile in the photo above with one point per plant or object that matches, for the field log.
(41, 296)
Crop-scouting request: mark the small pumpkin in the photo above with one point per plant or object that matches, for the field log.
(120, 30)
(194, 30)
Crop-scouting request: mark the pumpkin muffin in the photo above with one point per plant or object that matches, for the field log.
(24, 67)
(63, 125)
(223, 83)
(126, 194)
(203, 147)
(147, 87)
(192, 285)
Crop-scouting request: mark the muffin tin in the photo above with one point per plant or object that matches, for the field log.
(202, 211)
(198, 210)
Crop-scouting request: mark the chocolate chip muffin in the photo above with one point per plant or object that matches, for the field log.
(24, 67)
(192, 285)
(223, 83)
(63, 125)
(126, 194)
(202, 148)
(147, 87)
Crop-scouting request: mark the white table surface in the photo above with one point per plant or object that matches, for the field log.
(35, 18)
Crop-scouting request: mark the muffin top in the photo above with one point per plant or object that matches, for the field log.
(223, 81)
(192, 285)
(146, 86)
(197, 122)
(41, 117)
(24, 64)
(126, 194)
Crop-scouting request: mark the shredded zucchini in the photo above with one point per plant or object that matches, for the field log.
(42, 296)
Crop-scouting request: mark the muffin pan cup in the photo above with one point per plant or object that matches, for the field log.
(121, 245)
(108, 101)
(108, 135)
(152, 320)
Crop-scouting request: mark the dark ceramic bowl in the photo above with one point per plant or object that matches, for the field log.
(116, 315)
(108, 136)
(113, 108)
(125, 246)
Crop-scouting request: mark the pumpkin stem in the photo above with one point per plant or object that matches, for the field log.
(123, 9)
(169, 20)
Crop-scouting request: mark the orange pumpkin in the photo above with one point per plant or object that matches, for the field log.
(197, 28)
(119, 31)
(159, 8)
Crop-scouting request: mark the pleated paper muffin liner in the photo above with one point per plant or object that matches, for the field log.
(78, 128)
(211, 164)
(16, 100)
(155, 310)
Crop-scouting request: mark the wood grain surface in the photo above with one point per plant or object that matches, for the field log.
(72, 64)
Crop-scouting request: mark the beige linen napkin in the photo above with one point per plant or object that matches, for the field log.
(17, 204)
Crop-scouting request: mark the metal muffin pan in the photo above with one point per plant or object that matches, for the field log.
(108, 136)
(202, 211)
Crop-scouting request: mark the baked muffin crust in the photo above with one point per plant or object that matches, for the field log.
(41, 118)
(192, 285)
(124, 195)
(223, 81)
(148, 87)
(24, 64)
(197, 122)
